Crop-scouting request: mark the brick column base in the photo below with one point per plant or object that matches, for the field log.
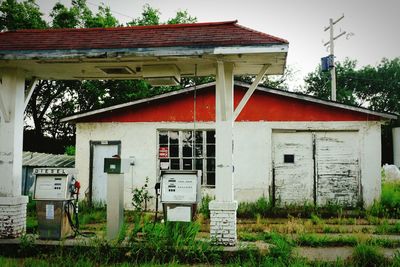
(223, 222)
(12, 216)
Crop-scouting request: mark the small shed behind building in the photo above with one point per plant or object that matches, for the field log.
(32, 160)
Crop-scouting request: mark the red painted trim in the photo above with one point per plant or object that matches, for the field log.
(262, 106)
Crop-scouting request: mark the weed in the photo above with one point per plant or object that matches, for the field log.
(366, 255)
(31, 207)
(313, 240)
(396, 259)
(141, 196)
(315, 219)
(204, 206)
(90, 217)
(122, 233)
(70, 150)
(383, 228)
(281, 248)
(250, 237)
(250, 209)
(27, 245)
(167, 242)
(31, 225)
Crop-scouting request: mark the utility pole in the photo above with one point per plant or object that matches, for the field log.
(332, 38)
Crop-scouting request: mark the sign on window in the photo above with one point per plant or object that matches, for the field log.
(163, 152)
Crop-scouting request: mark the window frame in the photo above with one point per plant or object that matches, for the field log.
(204, 157)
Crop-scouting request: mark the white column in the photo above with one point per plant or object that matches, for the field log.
(223, 208)
(12, 204)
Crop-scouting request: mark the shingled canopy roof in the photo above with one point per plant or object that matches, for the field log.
(196, 34)
(81, 53)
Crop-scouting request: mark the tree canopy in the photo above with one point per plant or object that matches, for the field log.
(53, 100)
(374, 87)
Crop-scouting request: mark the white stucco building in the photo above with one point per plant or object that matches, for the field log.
(288, 147)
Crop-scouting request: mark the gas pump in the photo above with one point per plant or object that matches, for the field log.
(180, 194)
(56, 193)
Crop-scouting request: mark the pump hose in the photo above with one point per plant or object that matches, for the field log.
(70, 205)
(155, 216)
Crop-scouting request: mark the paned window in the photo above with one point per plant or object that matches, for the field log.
(188, 150)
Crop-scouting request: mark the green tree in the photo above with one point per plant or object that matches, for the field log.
(24, 15)
(377, 88)
(80, 16)
(150, 16)
(53, 100)
(182, 16)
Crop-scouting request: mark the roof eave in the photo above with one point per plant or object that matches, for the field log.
(142, 52)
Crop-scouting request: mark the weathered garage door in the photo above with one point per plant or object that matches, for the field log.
(320, 167)
(293, 163)
(337, 168)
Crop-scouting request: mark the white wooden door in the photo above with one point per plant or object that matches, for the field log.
(337, 168)
(99, 178)
(293, 167)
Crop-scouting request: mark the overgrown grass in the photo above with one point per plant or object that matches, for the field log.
(95, 213)
(366, 255)
(169, 242)
(313, 240)
(266, 209)
(389, 205)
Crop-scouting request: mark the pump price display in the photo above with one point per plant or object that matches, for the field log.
(179, 188)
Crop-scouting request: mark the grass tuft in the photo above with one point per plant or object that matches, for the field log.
(366, 255)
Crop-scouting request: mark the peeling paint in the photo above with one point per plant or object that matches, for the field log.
(337, 168)
(333, 164)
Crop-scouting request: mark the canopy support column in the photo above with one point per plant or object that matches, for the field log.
(223, 208)
(12, 203)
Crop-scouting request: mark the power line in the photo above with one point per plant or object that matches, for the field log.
(112, 11)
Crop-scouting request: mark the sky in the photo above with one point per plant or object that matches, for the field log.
(374, 24)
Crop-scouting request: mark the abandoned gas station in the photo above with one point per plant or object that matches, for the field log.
(161, 55)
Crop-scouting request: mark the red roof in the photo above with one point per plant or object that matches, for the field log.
(197, 34)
